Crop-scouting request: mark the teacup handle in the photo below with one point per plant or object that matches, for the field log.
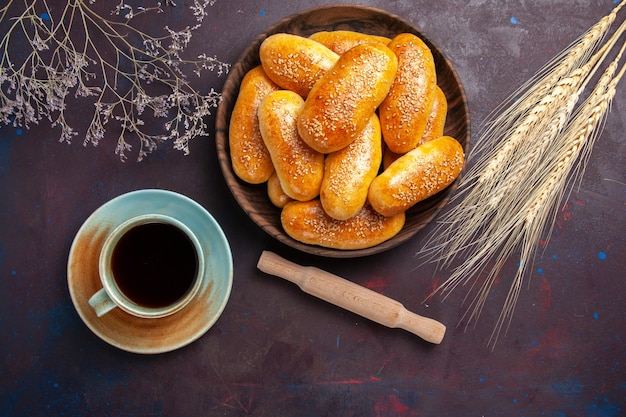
(101, 302)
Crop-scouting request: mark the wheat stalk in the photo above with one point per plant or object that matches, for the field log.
(502, 172)
(573, 148)
(539, 85)
(508, 198)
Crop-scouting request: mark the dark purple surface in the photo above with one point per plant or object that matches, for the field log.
(279, 352)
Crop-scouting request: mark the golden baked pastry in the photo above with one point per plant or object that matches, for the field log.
(342, 102)
(339, 41)
(276, 193)
(349, 171)
(299, 168)
(416, 175)
(248, 154)
(307, 222)
(294, 62)
(436, 122)
(404, 112)
(434, 126)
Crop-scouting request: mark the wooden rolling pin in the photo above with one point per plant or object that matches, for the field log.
(352, 297)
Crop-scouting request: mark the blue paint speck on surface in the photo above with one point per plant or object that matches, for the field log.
(18, 131)
(540, 271)
(45, 16)
(262, 13)
(602, 255)
(514, 20)
(554, 256)
(596, 316)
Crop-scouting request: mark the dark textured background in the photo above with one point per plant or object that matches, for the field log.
(278, 352)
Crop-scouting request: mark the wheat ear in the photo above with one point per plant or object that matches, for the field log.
(491, 221)
(511, 162)
(495, 173)
(524, 229)
(574, 147)
(539, 85)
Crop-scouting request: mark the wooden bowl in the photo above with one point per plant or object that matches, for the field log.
(253, 199)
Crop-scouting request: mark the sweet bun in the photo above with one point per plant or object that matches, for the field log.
(299, 168)
(275, 192)
(404, 112)
(249, 156)
(342, 102)
(339, 41)
(436, 122)
(307, 222)
(349, 171)
(416, 175)
(434, 126)
(294, 62)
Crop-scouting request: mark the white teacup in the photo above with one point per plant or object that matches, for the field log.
(150, 266)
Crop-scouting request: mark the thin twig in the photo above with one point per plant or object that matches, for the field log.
(130, 65)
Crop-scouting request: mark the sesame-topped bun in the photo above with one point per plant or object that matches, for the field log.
(348, 173)
(294, 62)
(405, 111)
(299, 168)
(342, 102)
(248, 153)
(434, 126)
(416, 175)
(307, 222)
(437, 118)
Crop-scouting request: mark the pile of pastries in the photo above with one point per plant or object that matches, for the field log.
(347, 131)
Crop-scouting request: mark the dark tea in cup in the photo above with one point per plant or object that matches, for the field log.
(150, 266)
(154, 264)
